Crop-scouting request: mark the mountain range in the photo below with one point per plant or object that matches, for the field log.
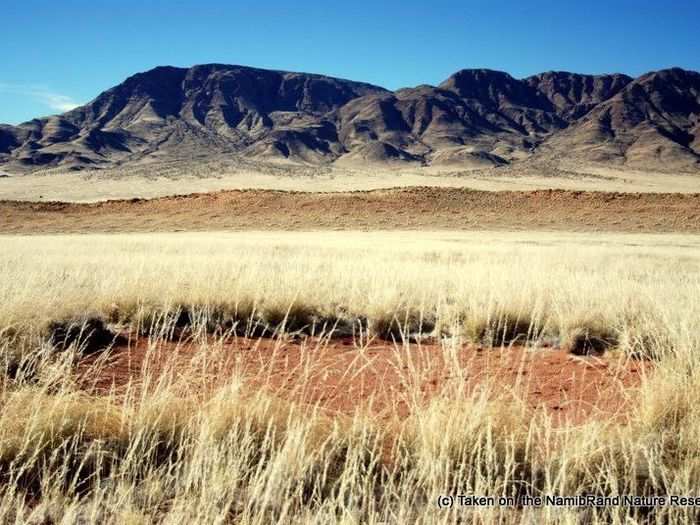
(475, 118)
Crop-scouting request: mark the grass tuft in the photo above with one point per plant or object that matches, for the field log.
(88, 334)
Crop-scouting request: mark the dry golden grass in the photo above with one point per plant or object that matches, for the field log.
(478, 285)
(174, 453)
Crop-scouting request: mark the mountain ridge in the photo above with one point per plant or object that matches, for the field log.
(474, 118)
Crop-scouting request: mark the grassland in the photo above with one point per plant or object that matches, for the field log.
(181, 442)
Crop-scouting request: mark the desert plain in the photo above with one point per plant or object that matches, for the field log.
(336, 303)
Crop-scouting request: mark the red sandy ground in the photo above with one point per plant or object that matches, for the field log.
(384, 378)
(392, 209)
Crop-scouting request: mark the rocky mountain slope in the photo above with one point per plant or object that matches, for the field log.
(654, 122)
(475, 118)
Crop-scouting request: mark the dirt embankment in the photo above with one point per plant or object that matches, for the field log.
(407, 208)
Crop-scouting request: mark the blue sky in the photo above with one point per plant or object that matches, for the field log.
(58, 54)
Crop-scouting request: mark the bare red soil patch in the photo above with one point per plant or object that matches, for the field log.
(387, 380)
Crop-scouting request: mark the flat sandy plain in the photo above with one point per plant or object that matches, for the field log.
(159, 180)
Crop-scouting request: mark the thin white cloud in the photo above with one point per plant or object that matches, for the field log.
(56, 101)
(50, 99)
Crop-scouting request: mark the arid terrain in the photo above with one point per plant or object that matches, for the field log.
(236, 295)
(386, 379)
(381, 367)
(418, 208)
(476, 118)
(168, 180)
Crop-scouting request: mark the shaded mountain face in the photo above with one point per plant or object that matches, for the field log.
(571, 95)
(170, 113)
(652, 123)
(510, 104)
(476, 118)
